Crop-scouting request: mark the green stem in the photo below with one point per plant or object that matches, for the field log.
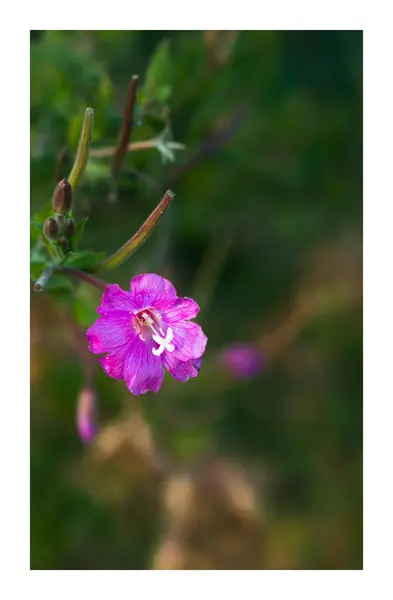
(57, 252)
(43, 280)
(108, 152)
(140, 237)
(76, 273)
(82, 154)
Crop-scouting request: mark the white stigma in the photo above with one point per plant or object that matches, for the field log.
(164, 343)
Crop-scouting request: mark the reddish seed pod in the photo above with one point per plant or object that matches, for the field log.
(63, 197)
(51, 229)
(69, 228)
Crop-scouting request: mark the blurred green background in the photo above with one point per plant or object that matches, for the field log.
(265, 233)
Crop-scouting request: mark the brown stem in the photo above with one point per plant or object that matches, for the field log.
(86, 277)
(126, 128)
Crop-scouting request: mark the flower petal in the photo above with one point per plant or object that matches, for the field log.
(152, 299)
(110, 332)
(152, 283)
(113, 364)
(188, 339)
(143, 371)
(181, 370)
(182, 308)
(196, 363)
(115, 298)
(152, 291)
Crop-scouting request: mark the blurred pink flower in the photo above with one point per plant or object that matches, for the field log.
(87, 415)
(144, 330)
(244, 361)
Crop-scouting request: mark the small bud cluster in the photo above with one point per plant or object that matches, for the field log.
(60, 230)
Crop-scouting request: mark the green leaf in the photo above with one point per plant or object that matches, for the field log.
(37, 256)
(36, 269)
(38, 226)
(35, 232)
(87, 260)
(80, 226)
(163, 93)
(36, 236)
(158, 75)
(167, 154)
(39, 260)
(43, 212)
(60, 283)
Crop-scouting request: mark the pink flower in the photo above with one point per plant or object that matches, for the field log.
(86, 417)
(144, 330)
(243, 360)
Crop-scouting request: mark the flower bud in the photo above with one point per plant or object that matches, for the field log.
(63, 197)
(69, 228)
(64, 243)
(51, 229)
(244, 361)
(86, 416)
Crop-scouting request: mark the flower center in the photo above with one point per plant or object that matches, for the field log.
(149, 325)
